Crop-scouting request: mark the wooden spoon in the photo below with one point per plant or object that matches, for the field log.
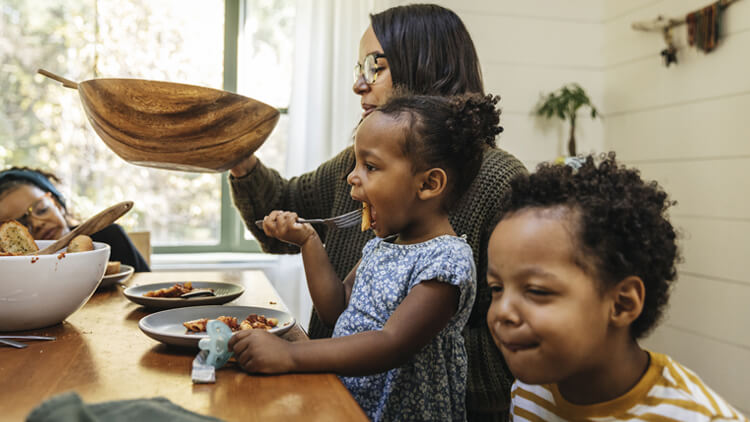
(90, 226)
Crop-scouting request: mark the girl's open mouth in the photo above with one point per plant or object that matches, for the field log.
(373, 217)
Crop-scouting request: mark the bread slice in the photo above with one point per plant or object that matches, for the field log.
(113, 267)
(16, 239)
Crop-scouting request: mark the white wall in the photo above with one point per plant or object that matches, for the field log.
(687, 127)
(531, 47)
(684, 126)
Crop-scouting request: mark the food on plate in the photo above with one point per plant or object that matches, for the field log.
(199, 325)
(15, 239)
(113, 267)
(252, 322)
(175, 290)
(255, 321)
(81, 243)
(366, 217)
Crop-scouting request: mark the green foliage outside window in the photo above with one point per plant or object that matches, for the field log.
(43, 124)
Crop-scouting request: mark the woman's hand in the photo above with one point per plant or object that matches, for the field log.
(261, 352)
(283, 225)
(244, 167)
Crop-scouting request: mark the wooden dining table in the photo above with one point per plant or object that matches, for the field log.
(101, 354)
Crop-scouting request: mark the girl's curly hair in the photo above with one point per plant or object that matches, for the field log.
(451, 133)
(619, 221)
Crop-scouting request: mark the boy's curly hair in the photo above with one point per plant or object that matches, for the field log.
(619, 222)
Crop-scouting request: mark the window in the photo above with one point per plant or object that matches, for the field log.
(43, 124)
(265, 69)
(265, 66)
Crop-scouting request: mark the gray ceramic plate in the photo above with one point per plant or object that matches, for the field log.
(111, 279)
(166, 326)
(224, 293)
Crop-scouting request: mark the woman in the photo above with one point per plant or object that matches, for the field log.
(424, 49)
(30, 197)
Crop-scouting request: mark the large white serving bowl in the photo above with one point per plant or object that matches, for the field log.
(39, 291)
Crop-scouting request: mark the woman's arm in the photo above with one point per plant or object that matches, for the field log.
(425, 311)
(310, 195)
(244, 167)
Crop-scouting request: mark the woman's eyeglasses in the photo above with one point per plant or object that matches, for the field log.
(369, 69)
(41, 208)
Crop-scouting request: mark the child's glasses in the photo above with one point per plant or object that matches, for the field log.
(369, 69)
(39, 209)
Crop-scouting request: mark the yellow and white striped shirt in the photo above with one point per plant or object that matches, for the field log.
(667, 392)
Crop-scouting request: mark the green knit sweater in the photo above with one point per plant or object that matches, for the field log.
(325, 193)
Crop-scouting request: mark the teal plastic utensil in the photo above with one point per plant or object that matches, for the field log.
(217, 343)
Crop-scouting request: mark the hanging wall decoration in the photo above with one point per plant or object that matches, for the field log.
(703, 29)
(670, 53)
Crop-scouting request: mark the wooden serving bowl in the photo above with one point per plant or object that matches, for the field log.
(174, 126)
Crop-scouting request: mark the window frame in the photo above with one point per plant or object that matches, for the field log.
(231, 233)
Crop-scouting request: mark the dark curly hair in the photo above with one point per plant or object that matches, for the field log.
(447, 132)
(619, 221)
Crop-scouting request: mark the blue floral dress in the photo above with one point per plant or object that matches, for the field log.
(432, 384)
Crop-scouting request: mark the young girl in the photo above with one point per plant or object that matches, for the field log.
(580, 268)
(398, 315)
(427, 50)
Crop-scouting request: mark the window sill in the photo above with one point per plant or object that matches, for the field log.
(212, 261)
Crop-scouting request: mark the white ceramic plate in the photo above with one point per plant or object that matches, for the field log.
(224, 292)
(166, 326)
(111, 279)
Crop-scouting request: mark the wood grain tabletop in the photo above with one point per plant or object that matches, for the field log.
(101, 354)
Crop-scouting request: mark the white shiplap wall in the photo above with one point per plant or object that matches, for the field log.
(531, 47)
(685, 126)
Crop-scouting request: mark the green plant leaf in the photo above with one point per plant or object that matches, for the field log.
(564, 103)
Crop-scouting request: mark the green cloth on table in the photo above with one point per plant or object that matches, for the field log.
(68, 407)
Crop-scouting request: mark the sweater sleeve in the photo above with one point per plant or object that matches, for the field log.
(489, 380)
(310, 195)
(122, 248)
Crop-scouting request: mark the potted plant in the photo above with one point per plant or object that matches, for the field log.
(564, 103)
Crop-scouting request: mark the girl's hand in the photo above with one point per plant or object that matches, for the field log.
(261, 352)
(283, 225)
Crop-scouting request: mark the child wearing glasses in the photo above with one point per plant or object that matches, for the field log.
(399, 314)
(30, 197)
(580, 268)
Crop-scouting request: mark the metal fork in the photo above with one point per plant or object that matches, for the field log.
(6, 339)
(16, 344)
(339, 222)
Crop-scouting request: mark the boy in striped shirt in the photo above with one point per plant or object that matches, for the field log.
(580, 268)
